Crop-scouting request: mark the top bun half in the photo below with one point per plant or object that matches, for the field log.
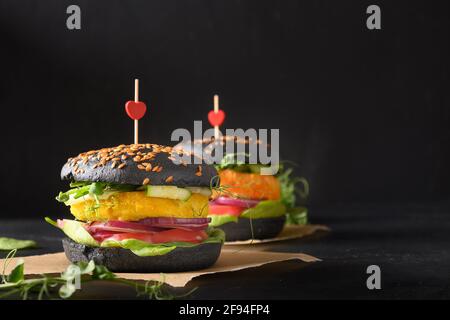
(138, 164)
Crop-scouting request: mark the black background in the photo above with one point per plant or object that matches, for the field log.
(364, 113)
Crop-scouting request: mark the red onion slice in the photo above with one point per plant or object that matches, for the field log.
(243, 203)
(195, 227)
(149, 225)
(121, 226)
(174, 221)
(100, 236)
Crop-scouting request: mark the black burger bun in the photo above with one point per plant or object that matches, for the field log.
(206, 147)
(123, 260)
(138, 164)
(244, 229)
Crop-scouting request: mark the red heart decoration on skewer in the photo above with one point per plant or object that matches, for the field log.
(216, 119)
(135, 110)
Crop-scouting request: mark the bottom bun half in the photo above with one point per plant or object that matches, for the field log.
(123, 260)
(247, 229)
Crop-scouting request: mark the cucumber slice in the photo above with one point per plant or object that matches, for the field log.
(201, 190)
(168, 192)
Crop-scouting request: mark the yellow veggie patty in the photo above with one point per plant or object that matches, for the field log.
(133, 206)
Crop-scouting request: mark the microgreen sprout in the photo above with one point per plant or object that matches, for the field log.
(16, 284)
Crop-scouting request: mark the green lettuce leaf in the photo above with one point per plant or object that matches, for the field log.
(145, 249)
(11, 244)
(294, 215)
(297, 215)
(17, 274)
(265, 209)
(94, 189)
(231, 161)
(75, 231)
(140, 248)
(288, 187)
(220, 219)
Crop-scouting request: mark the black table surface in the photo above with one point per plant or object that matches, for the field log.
(409, 242)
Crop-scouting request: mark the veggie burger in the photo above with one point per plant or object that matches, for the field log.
(137, 210)
(247, 205)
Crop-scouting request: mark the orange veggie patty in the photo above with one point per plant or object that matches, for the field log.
(248, 185)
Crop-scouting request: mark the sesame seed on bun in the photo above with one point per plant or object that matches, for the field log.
(137, 164)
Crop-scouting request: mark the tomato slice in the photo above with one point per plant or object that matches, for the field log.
(172, 235)
(102, 235)
(228, 210)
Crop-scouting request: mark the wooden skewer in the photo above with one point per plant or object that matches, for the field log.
(136, 122)
(216, 109)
